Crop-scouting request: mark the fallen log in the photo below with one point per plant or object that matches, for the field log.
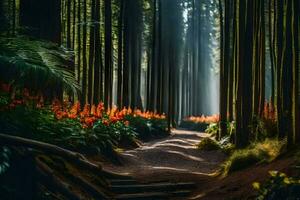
(70, 156)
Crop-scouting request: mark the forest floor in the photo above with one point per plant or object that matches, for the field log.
(177, 159)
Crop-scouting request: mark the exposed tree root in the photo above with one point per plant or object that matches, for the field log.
(71, 156)
(47, 177)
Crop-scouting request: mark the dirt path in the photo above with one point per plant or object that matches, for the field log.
(173, 158)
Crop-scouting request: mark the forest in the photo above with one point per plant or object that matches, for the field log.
(149, 99)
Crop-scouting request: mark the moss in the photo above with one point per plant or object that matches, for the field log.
(208, 144)
(265, 151)
(241, 159)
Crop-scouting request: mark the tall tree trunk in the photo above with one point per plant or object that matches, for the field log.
(108, 55)
(120, 54)
(272, 53)
(79, 42)
(296, 63)
(223, 68)
(68, 24)
(91, 54)
(84, 55)
(97, 63)
(279, 46)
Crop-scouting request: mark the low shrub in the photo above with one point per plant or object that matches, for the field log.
(208, 144)
(265, 151)
(147, 128)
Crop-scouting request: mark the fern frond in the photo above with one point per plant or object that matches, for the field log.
(35, 64)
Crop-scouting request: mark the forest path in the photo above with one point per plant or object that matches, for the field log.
(174, 158)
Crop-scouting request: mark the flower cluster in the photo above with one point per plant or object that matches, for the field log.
(87, 116)
(91, 113)
(149, 115)
(204, 119)
(23, 98)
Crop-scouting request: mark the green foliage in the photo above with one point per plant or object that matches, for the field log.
(278, 186)
(111, 134)
(226, 145)
(34, 64)
(4, 99)
(147, 128)
(208, 144)
(194, 126)
(4, 159)
(40, 124)
(262, 129)
(265, 151)
(214, 128)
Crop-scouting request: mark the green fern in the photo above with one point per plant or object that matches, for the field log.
(37, 65)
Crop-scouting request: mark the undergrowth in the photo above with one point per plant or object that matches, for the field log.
(208, 144)
(278, 186)
(265, 151)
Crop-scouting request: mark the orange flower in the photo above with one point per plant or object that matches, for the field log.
(105, 122)
(61, 114)
(114, 119)
(100, 109)
(72, 116)
(86, 111)
(93, 110)
(204, 119)
(75, 108)
(89, 121)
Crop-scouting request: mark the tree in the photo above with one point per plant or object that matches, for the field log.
(108, 71)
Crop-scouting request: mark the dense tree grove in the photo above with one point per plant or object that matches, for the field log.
(153, 55)
(140, 54)
(253, 31)
(82, 82)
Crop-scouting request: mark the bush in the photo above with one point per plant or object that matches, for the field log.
(278, 186)
(208, 144)
(147, 128)
(258, 152)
